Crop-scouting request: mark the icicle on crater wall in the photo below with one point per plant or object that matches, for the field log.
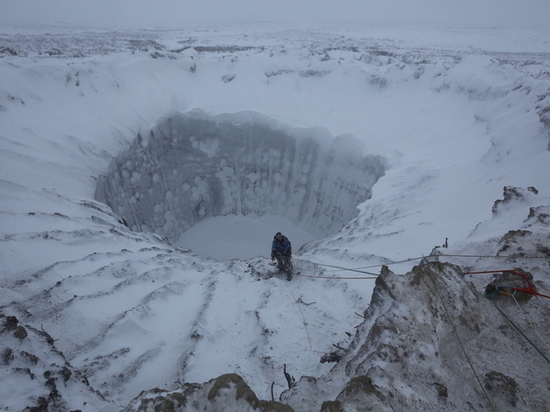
(193, 166)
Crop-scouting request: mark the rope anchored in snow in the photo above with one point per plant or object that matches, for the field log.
(496, 256)
(375, 275)
(335, 277)
(340, 268)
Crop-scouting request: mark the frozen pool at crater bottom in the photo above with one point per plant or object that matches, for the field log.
(241, 237)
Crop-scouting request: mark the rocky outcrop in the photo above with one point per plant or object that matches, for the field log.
(227, 392)
(34, 368)
(428, 343)
(513, 194)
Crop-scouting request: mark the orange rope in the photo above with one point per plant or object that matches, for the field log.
(530, 288)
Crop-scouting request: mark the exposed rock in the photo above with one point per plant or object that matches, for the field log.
(502, 388)
(42, 406)
(539, 216)
(332, 406)
(441, 390)
(361, 393)
(425, 342)
(7, 51)
(331, 357)
(31, 359)
(512, 242)
(511, 194)
(543, 110)
(6, 356)
(20, 333)
(66, 373)
(532, 240)
(10, 323)
(227, 392)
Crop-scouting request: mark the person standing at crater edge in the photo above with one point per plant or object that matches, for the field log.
(281, 250)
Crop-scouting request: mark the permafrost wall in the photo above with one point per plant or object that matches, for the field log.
(192, 166)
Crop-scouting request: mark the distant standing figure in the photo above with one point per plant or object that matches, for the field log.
(281, 250)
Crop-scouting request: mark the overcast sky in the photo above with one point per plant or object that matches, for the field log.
(174, 13)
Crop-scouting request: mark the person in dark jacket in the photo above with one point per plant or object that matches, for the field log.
(281, 250)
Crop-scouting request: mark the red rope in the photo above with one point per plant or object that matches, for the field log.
(530, 288)
(533, 293)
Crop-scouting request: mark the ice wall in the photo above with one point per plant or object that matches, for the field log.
(193, 166)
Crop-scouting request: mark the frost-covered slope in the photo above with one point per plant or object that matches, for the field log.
(453, 120)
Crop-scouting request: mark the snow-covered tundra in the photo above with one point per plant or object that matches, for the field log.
(143, 175)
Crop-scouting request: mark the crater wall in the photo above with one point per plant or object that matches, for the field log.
(193, 166)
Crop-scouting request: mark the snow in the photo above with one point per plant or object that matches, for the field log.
(453, 115)
(240, 237)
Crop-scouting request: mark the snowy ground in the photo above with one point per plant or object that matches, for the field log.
(457, 113)
(240, 237)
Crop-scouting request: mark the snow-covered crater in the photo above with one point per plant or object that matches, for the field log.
(192, 166)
